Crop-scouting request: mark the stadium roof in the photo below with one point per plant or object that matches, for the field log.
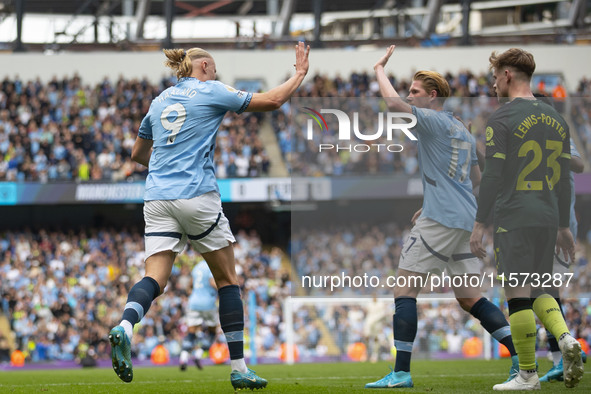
(145, 23)
(188, 7)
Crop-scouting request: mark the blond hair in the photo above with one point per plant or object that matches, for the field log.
(181, 61)
(516, 58)
(432, 80)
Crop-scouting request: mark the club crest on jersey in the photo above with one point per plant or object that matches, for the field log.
(489, 136)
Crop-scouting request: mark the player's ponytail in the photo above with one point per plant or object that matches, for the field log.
(178, 60)
(181, 61)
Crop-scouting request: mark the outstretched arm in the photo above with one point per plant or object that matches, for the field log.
(393, 100)
(274, 98)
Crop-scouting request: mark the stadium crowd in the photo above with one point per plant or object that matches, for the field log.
(580, 111)
(66, 130)
(472, 99)
(374, 249)
(443, 328)
(62, 291)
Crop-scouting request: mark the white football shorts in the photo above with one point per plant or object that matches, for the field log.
(432, 247)
(199, 220)
(202, 318)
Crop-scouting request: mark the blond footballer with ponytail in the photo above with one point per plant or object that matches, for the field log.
(176, 140)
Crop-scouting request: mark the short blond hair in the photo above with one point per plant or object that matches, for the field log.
(516, 58)
(181, 60)
(432, 80)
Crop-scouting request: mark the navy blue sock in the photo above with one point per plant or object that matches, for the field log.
(493, 321)
(552, 342)
(189, 341)
(405, 331)
(560, 306)
(139, 299)
(232, 320)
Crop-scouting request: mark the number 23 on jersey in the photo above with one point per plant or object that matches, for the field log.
(552, 162)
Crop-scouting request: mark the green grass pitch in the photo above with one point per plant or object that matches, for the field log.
(456, 376)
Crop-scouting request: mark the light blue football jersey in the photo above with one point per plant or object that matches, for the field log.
(183, 122)
(203, 296)
(447, 152)
(573, 217)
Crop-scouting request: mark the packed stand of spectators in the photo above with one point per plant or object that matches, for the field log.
(472, 99)
(443, 328)
(580, 110)
(66, 130)
(360, 93)
(374, 249)
(239, 151)
(350, 251)
(63, 291)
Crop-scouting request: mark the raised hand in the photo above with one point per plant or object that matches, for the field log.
(384, 59)
(302, 52)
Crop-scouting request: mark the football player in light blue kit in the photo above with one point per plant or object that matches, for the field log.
(176, 142)
(556, 373)
(440, 238)
(201, 316)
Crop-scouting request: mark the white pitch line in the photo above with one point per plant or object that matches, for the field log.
(466, 375)
(96, 383)
(271, 380)
(377, 376)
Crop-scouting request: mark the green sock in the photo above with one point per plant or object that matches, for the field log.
(523, 331)
(548, 311)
